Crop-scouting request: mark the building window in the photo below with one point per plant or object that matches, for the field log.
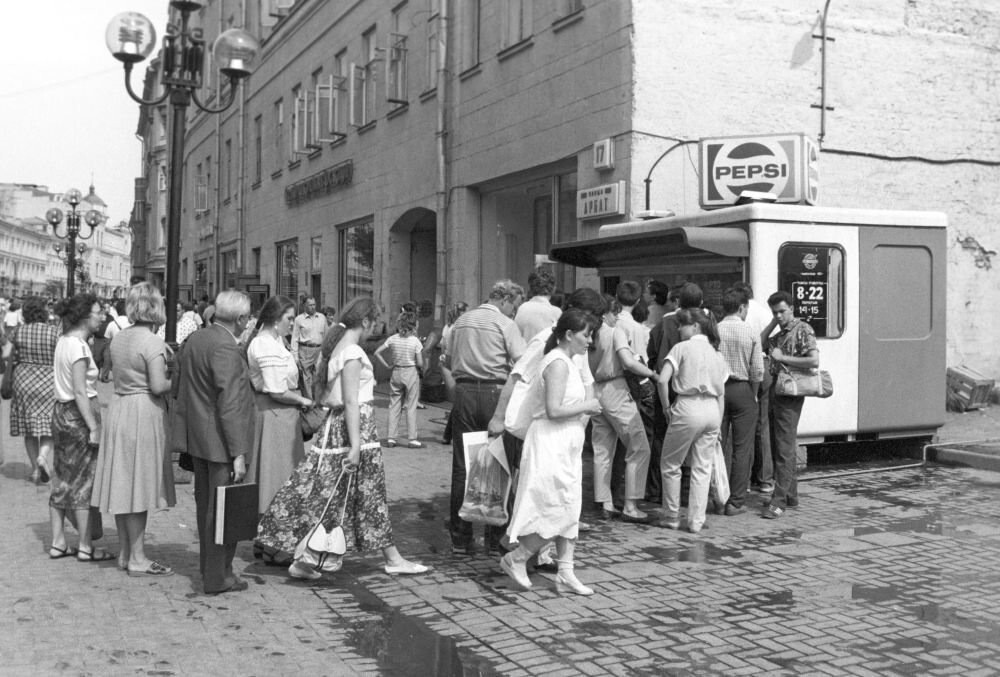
(258, 148)
(431, 66)
(468, 26)
(200, 189)
(395, 76)
(357, 261)
(298, 107)
(287, 269)
(279, 133)
(341, 98)
(515, 22)
(228, 266)
(362, 84)
(571, 6)
(255, 262)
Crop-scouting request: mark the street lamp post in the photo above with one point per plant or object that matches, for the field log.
(92, 218)
(130, 38)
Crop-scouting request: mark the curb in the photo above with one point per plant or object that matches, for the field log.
(986, 457)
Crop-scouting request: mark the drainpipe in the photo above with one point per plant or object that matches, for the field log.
(441, 134)
(241, 175)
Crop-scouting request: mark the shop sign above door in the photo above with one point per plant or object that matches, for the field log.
(600, 201)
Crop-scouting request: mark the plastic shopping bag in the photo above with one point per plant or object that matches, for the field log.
(487, 480)
(720, 476)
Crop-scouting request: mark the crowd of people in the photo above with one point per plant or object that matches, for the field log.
(667, 387)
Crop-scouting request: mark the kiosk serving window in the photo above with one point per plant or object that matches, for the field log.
(814, 275)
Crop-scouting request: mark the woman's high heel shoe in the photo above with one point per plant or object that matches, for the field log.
(567, 582)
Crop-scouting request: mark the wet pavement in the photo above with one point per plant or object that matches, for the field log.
(892, 572)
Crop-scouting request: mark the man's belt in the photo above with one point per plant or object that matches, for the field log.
(481, 381)
(309, 345)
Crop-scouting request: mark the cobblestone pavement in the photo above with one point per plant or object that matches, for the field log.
(886, 573)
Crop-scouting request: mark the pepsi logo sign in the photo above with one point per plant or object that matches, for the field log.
(769, 164)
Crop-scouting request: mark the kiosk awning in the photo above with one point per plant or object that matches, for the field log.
(682, 241)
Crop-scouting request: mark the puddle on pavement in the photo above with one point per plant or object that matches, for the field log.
(696, 552)
(870, 593)
(404, 646)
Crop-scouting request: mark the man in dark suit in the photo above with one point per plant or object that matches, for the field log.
(215, 406)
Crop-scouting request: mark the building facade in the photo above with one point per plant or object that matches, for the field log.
(33, 258)
(419, 150)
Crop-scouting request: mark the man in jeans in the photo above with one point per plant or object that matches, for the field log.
(483, 344)
(794, 346)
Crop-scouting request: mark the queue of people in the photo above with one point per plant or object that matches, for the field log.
(231, 399)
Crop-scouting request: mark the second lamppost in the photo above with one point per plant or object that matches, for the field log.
(92, 219)
(131, 38)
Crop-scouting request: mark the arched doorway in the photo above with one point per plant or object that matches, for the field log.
(413, 265)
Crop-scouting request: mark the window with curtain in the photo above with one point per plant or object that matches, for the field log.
(287, 269)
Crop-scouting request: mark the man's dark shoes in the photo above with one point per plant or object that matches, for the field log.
(239, 586)
(732, 510)
(792, 502)
(772, 512)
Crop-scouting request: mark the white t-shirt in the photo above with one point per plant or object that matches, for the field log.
(70, 349)
(119, 323)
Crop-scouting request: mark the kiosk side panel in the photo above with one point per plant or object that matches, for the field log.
(902, 341)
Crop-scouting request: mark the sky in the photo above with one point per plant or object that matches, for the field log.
(64, 113)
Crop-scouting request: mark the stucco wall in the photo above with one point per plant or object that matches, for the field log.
(905, 77)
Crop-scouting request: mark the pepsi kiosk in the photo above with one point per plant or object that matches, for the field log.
(871, 283)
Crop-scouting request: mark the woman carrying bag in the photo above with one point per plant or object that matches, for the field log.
(345, 460)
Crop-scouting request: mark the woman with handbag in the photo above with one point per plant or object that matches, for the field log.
(76, 430)
(274, 374)
(697, 373)
(34, 345)
(342, 476)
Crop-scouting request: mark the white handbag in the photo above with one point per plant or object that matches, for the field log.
(322, 549)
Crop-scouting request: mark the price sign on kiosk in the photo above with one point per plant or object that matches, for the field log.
(805, 271)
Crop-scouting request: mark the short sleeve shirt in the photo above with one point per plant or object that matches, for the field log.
(484, 344)
(403, 350)
(796, 340)
(529, 367)
(69, 350)
(699, 369)
(534, 315)
(132, 351)
(272, 365)
(604, 361)
(366, 383)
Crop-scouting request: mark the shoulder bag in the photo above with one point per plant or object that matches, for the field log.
(7, 387)
(803, 382)
(322, 549)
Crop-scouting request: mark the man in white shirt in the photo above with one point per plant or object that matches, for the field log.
(307, 337)
(762, 475)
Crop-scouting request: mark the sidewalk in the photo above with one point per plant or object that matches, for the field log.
(887, 573)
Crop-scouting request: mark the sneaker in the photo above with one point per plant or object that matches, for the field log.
(665, 523)
(390, 442)
(414, 444)
(732, 510)
(772, 512)
(584, 526)
(792, 502)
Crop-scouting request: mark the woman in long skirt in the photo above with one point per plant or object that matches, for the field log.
(549, 488)
(274, 374)
(345, 455)
(76, 429)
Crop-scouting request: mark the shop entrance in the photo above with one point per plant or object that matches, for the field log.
(413, 266)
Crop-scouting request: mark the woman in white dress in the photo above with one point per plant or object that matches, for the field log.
(549, 490)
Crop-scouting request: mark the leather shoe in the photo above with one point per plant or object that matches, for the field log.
(732, 510)
(239, 586)
(792, 502)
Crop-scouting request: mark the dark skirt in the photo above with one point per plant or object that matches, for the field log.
(75, 461)
(300, 501)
